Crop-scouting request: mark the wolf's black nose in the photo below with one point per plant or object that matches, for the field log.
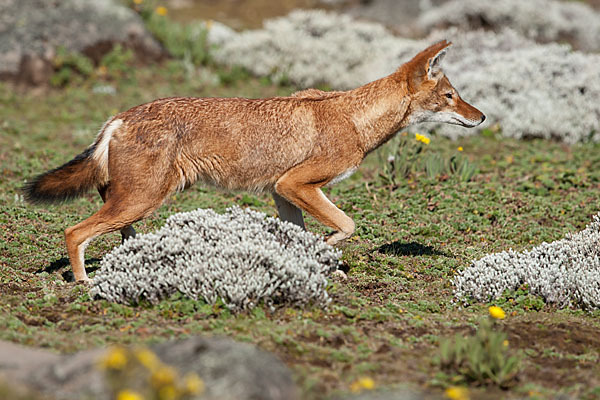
(482, 117)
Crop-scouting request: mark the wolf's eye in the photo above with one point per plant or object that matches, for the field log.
(449, 95)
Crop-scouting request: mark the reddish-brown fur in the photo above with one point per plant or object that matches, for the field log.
(292, 146)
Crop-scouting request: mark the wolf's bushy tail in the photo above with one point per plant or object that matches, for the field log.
(66, 182)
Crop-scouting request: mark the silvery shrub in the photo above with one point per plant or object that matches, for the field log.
(241, 257)
(565, 272)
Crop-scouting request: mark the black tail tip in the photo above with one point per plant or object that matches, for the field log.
(33, 193)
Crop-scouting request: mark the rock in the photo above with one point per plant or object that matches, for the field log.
(230, 370)
(399, 15)
(32, 30)
(16, 360)
(397, 394)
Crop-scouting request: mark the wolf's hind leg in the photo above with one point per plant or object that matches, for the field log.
(119, 212)
(126, 232)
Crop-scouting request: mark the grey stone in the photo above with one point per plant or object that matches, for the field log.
(399, 15)
(392, 394)
(230, 370)
(32, 30)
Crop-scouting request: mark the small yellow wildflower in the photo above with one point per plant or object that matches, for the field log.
(457, 393)
(163, 376)
(167, 393)
(364, 383)
(138, 1)
(115, 359)
(127, 394)
(460, 148)
(193, 383)
(422, 138)
(496, 312)
(505, 343)
(148, 359)
(161, 10)
(102, 70)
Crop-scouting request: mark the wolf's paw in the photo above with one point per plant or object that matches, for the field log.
(84, 281)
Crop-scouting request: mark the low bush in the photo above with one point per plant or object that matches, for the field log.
(241, 258)
(565, 272)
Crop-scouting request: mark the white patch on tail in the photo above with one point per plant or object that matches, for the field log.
(102, 142)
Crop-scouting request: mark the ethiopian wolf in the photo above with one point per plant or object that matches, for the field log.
(290, 146)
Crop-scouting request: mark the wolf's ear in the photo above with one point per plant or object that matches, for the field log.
(426, 64)
(433, 64)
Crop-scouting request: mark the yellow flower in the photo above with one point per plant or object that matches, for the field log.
(115, 359)
(160, 10)
(505, 343)
(364, 383)
(422, 138)
(457, 393)
(127, 394)
(148, 359)
(167, 393)
(163, 376)
(102, 70)
(193, 383)
(460, 148)
(138, 1)
(496, 312)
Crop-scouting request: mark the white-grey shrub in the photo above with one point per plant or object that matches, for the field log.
(565, 272)
(316, 47)
(540, 20)
(530, 90)
(241, 257)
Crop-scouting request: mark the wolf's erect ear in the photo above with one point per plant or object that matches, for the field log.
(433, 65)
(426, 64)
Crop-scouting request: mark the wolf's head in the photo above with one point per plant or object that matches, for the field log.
(433, 98)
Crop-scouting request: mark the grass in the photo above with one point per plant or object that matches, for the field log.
(386, 321)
